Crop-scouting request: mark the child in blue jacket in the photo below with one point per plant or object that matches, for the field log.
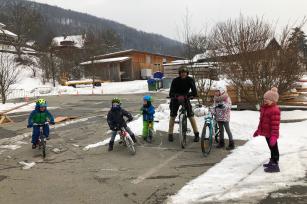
(40, 116)
(148, 112)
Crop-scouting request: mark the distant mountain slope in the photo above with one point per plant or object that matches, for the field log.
(69, 22)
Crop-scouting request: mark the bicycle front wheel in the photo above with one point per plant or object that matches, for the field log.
(206, 140)
(130, 145)
(182, 130)
(43, 143)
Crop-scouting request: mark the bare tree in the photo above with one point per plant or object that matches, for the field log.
(24, 21)
(49, 64)
(99, 42)
(8, 75)
(197, 43)
(252, 58)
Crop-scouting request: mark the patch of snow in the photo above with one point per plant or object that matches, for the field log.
(27, 165)
(10, 147)
(56, 150)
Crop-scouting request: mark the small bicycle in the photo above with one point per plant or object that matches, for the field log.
(127, 140)
(210, 129)
(41, 138)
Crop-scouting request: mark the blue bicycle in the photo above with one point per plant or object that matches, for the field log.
(209, 131)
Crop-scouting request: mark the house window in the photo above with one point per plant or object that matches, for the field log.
(164, 60)
(148, 59)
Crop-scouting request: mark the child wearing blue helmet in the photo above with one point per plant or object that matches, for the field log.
(148, 112)
(40, 116)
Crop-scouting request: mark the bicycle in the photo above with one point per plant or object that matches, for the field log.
(127, 140)
(210, 129)
(41, 138)
(183, 126)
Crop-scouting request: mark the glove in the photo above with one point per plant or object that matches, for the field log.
(273, 141)
(52, 123)
(256, 134)
(30, 126)
(221, 106)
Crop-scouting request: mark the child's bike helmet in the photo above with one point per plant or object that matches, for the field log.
(41, 102)
(147, 98)
(116, 100)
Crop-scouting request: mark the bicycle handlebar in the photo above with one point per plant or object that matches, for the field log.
(36, 124)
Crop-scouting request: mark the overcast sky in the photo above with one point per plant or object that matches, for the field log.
(165, 16)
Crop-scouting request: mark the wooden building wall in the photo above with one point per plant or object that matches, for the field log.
(105, 71)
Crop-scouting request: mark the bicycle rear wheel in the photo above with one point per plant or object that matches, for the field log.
(130, 145)
(182, 130)
(206, 140)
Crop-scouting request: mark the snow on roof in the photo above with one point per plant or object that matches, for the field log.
(77, 39)
(6, 32)
(178, 62)
(115, 59)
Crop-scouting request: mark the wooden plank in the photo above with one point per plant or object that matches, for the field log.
(60, 119)
(5, 119)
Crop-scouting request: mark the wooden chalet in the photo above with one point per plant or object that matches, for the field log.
(125, 65)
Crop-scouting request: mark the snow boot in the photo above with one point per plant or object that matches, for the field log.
(273, 168)
(268, 164)
(111, 143)
(221, 144)
(133, 138)
(170, 138)
(231, 145)
(196, 137)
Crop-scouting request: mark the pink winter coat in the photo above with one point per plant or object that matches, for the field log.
(269, 121)
(222, 114)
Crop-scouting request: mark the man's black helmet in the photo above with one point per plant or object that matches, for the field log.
(183, 69)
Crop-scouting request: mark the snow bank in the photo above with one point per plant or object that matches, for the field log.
(240, 176)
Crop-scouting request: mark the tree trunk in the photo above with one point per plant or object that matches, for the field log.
(53, 70)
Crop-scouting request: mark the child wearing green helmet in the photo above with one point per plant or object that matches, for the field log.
(116, 121)
(40, 116)
(148, 112)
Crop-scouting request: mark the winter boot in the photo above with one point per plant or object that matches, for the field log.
(111, 143)
(196, 137)
(221, 144)
(268, 164)
(273, 168)
(133, 138)
(170, 138)
(231, 145)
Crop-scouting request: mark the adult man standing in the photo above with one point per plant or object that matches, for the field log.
(182, 86)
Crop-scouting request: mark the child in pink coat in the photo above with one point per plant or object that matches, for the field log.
(269, 127)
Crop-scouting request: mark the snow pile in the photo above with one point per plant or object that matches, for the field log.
(240, 176)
